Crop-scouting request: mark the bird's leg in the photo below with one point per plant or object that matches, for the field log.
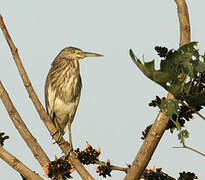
(57, 131)
(70, 141)
(70, 138)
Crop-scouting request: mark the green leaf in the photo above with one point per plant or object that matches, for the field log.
(169, 107)
(177, 73)
(184, 134)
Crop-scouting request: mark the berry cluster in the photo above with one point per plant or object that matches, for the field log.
(161, 51)
(59, 168)
(156, 102)
(145, 132)
(187, 176)
(185, 114)
(88, 155)
(156, 175)
(104, 170)
(3, 138)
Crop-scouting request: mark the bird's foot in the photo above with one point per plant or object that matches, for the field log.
(71, 150)
(59, 137)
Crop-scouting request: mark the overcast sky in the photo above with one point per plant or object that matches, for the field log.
(113, 109)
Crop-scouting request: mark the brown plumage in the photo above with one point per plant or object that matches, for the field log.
(63, 88)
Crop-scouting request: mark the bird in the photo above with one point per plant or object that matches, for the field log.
(63, 89)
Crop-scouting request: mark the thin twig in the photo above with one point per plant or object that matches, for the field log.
(118, 168)
(40, 109)
(192, 149)
(18, 165)
(31, 142)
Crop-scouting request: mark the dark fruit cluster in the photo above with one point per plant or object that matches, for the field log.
(104, 170)
(187, 176)
(156, 102)
(3, 138)
(59, 168)
(145, 132)
(161, 51)
(185, 114)
(156, 175)
(89, 155)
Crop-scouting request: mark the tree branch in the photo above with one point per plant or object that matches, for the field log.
(150, 143)
(31, 142)
(41, 111)
(113, 167)
(18, 165)
(147, 149)
(185, 29)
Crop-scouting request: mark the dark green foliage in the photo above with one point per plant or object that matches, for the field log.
(182, 135)
(181, 73)
(178, 114)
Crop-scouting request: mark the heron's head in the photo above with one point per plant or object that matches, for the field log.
(76, 53)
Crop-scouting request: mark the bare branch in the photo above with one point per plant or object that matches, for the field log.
(182, 10)
(18, 165)
(41, 111)
(150, 143)
(118, 168)
(147, 149)
(192, 149)
(31, 142)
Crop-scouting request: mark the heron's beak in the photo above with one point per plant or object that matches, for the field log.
(89, 54)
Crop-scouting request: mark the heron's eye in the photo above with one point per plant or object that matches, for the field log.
(75, 51)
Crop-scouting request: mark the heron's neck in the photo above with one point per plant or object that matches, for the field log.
(71, 65)
(64, 71)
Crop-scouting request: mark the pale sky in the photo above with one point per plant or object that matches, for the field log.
(113, 109)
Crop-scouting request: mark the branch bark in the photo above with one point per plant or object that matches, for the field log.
(40, 109)
(18, 165)
(150, 143)
(185, 28)
(31, 142)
